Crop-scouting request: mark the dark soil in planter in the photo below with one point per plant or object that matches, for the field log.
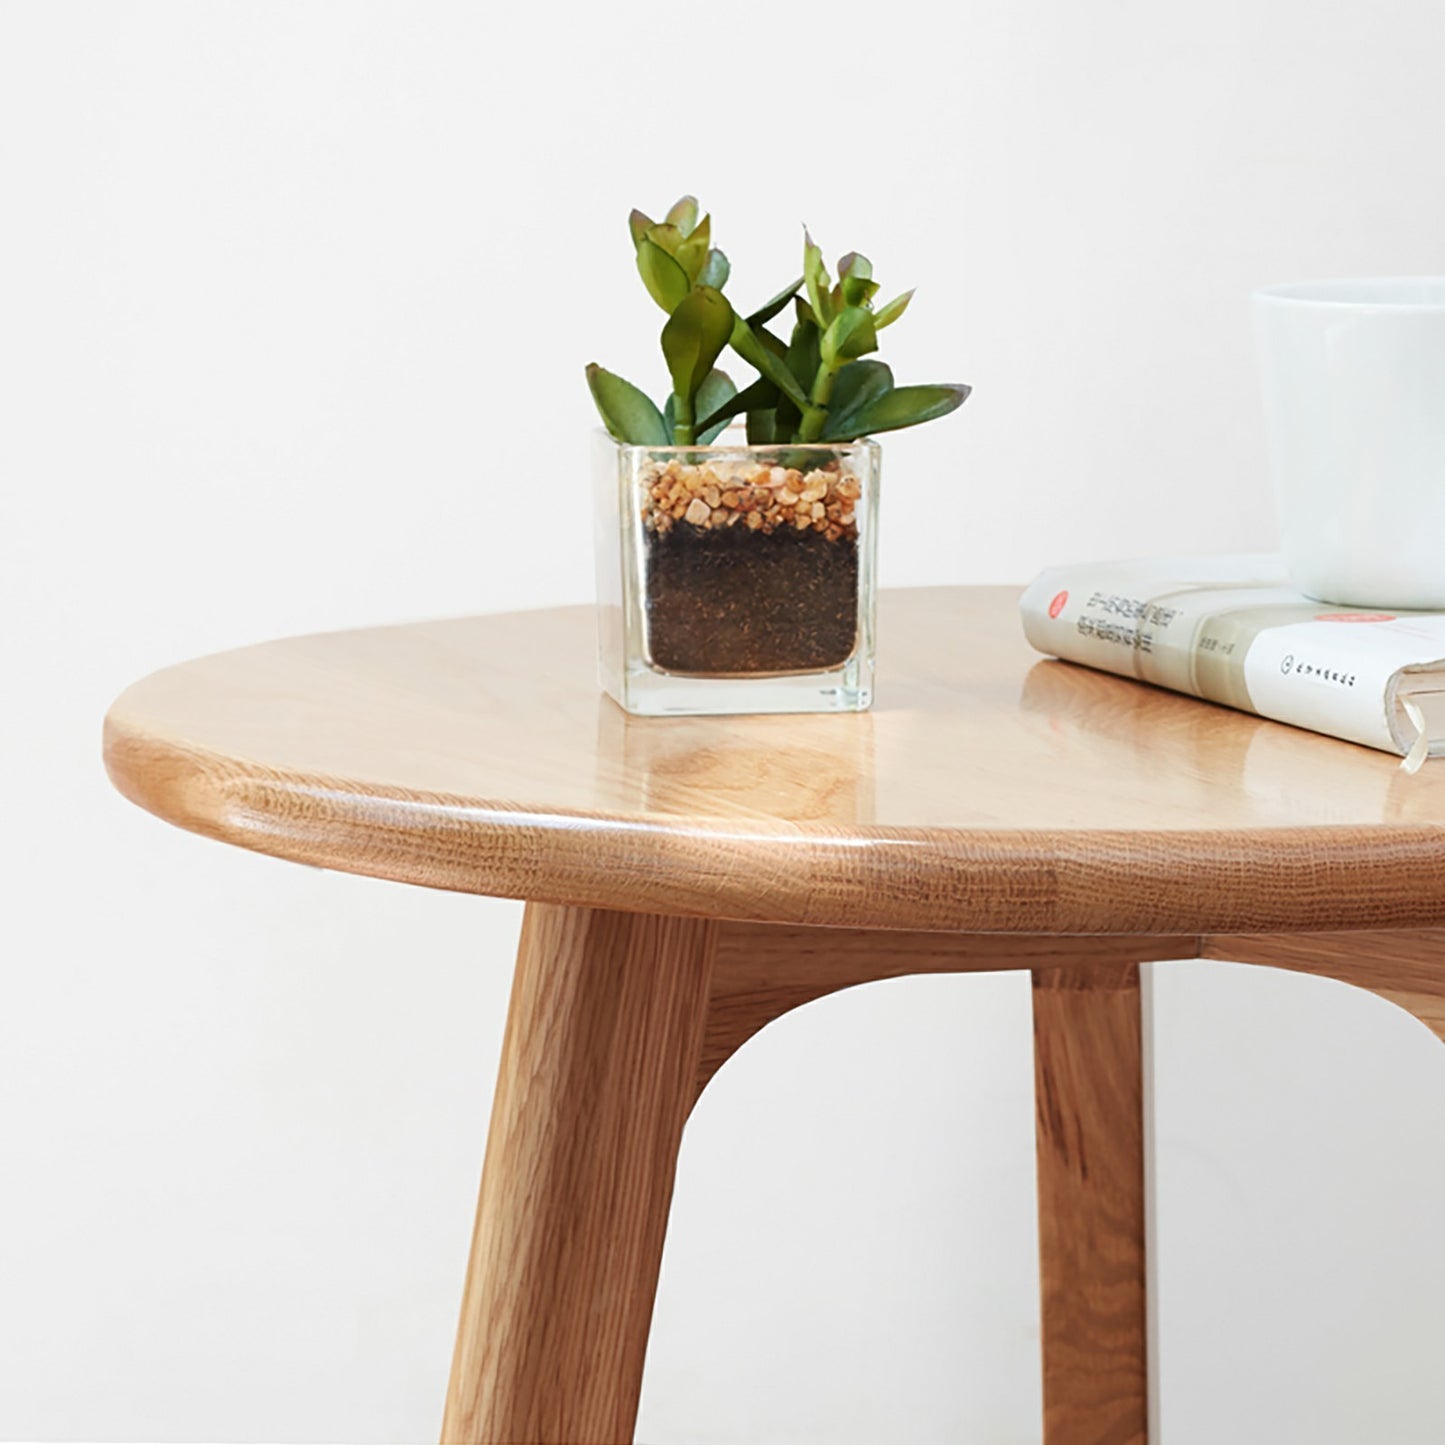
(738, 602)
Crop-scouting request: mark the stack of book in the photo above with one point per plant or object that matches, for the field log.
(1232, 630)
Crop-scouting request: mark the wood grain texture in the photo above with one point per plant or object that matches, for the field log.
(988, 791)
(1406, 967)
(1089, 1099)
(764, 970)
(596, 1080)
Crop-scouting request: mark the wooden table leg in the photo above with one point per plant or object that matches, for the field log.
(1090, 1132)
(598, 1073)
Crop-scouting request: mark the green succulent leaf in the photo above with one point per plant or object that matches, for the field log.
(683, 214)
(856, 265)
(775, 344)
(770, 308)
(715, 393)
(665, 280)
(628, 414)
(715, 270)
(803, 353)
(907, 406)
(858, 385)
(786, 420)
(694, 337)
(857, 291)
(850, 334)
(639, 224)
(761, 395)
(669, 238)
(746, 342)
(804, 312)
(815, 277)
(692, 251)
(887, 315)
(763, 427)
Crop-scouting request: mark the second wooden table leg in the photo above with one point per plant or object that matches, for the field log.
(598, 1073)
(1089, 1090)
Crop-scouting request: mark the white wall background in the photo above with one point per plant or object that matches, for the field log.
(294, 301)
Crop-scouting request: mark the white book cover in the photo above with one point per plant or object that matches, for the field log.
(1231, 629)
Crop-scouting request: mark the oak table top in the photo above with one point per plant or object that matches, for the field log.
(988, 789)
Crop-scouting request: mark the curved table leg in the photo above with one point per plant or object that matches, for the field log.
(597, 1076)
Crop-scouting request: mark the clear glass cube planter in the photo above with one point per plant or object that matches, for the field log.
(735, 578)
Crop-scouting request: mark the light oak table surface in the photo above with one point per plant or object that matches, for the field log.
(690, 879)
(988, 788)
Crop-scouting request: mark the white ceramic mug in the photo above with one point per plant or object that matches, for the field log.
(1354, 399)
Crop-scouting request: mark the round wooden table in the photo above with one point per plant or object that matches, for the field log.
(690, 879)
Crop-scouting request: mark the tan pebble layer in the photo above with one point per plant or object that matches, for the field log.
(761, 498)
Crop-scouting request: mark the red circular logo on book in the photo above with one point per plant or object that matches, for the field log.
(1057, 605)
(1354, 617)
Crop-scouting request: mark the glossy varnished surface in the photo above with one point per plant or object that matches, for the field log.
(987, 790)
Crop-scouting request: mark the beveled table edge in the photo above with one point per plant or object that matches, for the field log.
(772, 871)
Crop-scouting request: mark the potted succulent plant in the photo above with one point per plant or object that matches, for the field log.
(736, 557)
